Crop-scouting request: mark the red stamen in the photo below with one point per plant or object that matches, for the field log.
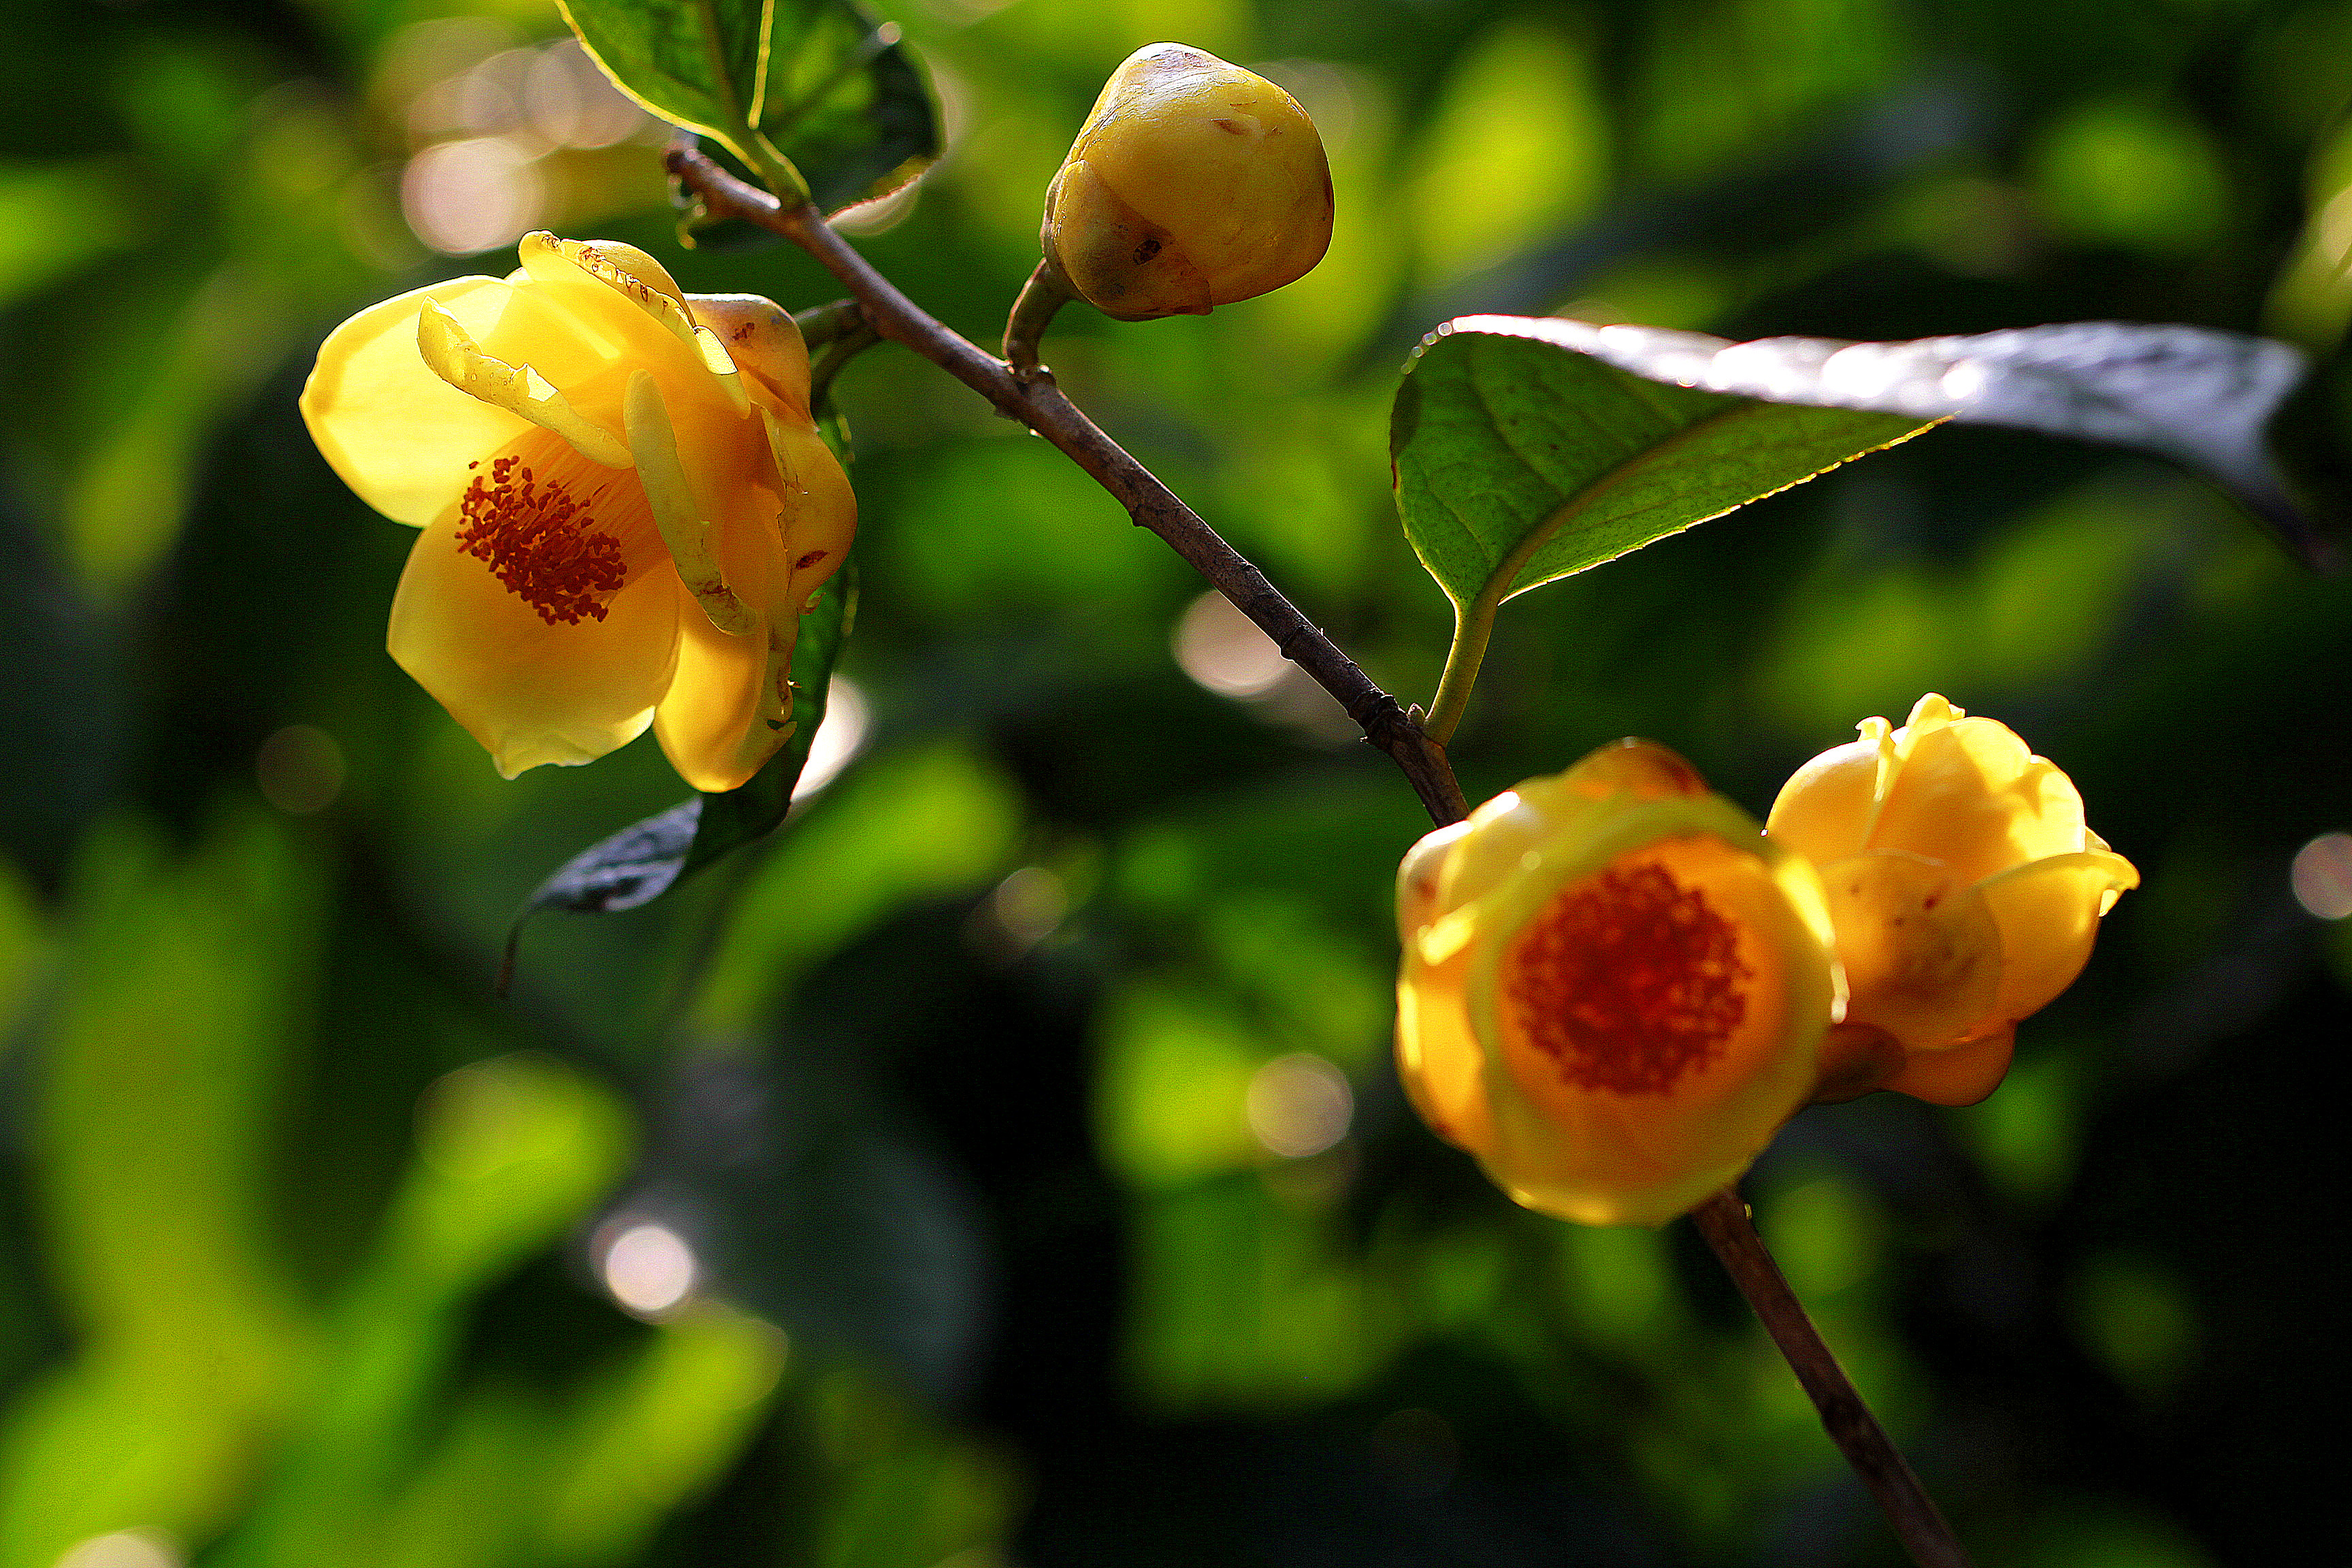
(539, 543)
(1627, 979)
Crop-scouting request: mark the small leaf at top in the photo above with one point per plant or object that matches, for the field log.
(2198, 397)
(816, 82)
(1512, 452)
(646, 859)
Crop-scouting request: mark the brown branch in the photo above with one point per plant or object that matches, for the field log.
(1723, 1220)
(1039, 404)
(1037, 401)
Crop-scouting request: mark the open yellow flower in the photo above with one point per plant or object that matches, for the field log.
(1615, 988)
(624, 503)
(1193, 183)
(1966, 890)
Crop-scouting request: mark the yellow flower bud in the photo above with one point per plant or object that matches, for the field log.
(1965, 888)
(1613, 989)
(1193, 183)
(623, 499)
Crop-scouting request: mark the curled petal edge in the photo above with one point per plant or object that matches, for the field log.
(684, 529)
(454, 356)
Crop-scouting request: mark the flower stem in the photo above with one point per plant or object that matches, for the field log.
(1039, 404)
(1047, 290)
(1723, 1220)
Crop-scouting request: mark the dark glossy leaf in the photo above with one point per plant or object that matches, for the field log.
(1512, 451)
(645, 860)
(819, 81)
(2198, 397)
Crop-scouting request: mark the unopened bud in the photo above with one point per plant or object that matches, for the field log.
(1194, 183)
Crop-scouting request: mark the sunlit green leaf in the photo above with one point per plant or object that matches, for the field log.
(1514, 451)
(818, 82)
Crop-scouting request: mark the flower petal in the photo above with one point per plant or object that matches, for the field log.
(819, 516)
(2048, 913)
(711, 724)
(1963, 1075)
(532, 691)
(763, 341)
(449, 353)
(625, 296)
(685, 527)
(1970, 795)
(1825, 810)
(396, 433)
(1921, 952)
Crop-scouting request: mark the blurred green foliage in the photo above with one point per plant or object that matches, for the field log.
(906, 1192)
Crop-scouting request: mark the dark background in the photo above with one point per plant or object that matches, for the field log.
(305, 1238)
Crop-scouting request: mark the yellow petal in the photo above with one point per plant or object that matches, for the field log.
(685, 527)
(1441, 1066)
(1970, 795)
(817, 517)
(1961, 1075)
(1418, 878)
(1825, 810)
(1125, 266)
(532, 692)
(1636, 770)
(449, 353)
(2048, 913)
(1921, 952)
(626, 296)
(763, 341)
(396, 433)
(709, 723)
(1856, 1059)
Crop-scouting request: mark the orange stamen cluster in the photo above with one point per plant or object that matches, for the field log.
(1628, 979)
(539, 541)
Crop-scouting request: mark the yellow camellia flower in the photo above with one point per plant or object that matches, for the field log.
(1615, 988)
(1193, 183)
(1965, 888)
(624, 503)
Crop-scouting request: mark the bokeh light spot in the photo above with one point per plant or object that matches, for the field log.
(1299, 1105)
(2322, 875)
(649, 1269)
(847, 716)
(481, 193)
(299, 769)
(1223, 650)
(123, 1549)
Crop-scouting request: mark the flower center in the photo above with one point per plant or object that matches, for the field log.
(1628, 979)
(539, 541)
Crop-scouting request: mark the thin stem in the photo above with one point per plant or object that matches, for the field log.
(1723, 1220)
(837, 354)
(1041, 405)
(820, 324)
(1461, 661)
(1047, 290)
(1475, 623)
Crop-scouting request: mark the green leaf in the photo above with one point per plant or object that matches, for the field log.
(1519, 460)
(645, 860)
(814, 85)
(2194, 397)
(1513, 450)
